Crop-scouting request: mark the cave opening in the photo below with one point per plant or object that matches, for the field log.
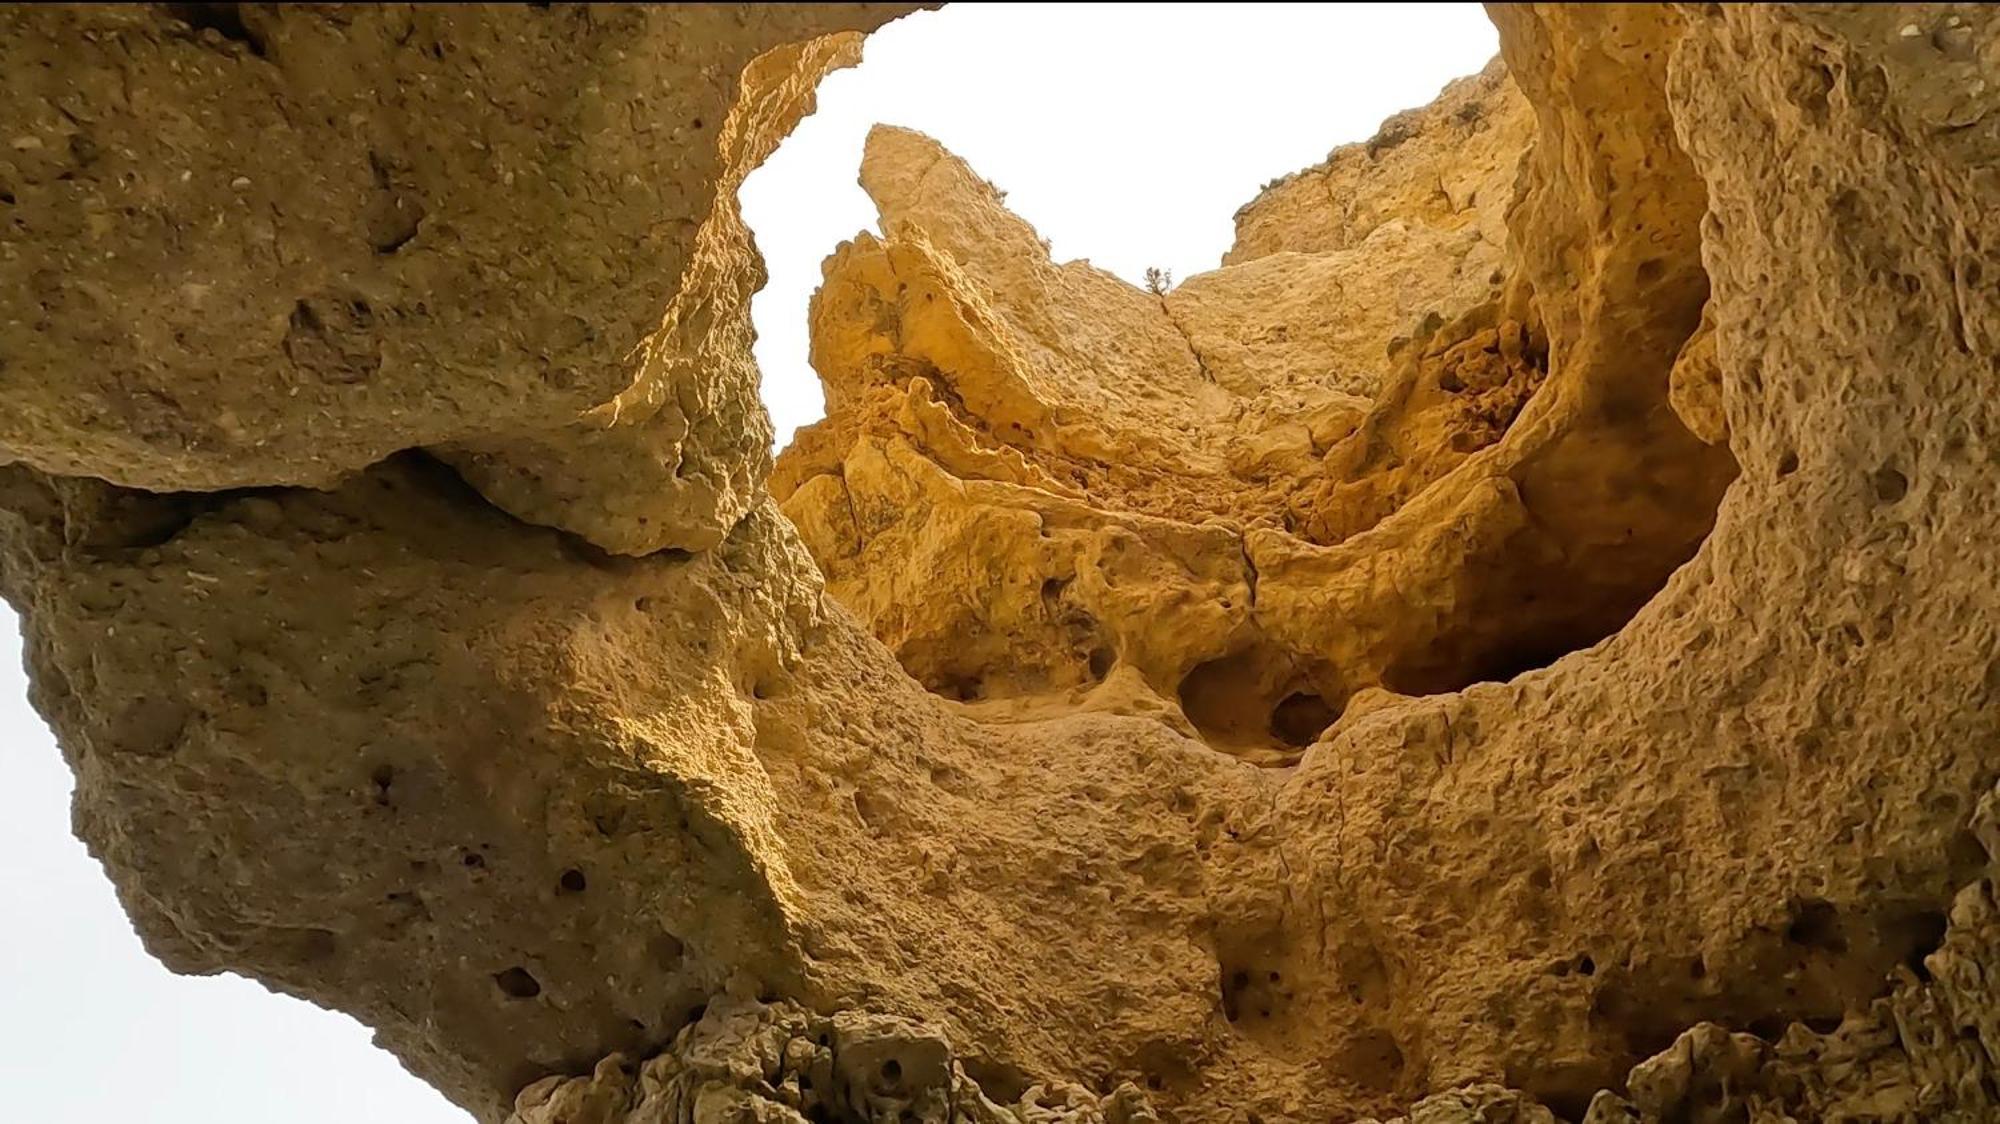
(1229, 701)
(1043, 445)
(1094, 153)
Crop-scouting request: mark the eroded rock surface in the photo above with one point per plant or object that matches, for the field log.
(1038, 482)
(1586, 493)
(1447, 167)
(251, 244)
(779, 1063)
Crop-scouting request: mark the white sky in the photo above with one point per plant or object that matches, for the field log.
(1127, 134)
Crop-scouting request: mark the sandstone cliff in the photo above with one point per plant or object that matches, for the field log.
(1515, 642)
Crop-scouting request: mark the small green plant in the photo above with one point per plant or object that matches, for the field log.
(1158, 280)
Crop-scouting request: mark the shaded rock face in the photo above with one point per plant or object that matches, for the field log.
(1583, 493)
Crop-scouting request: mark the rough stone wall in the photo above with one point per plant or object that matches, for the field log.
(256, 245)
(380, 687)
(1445, 169)
(784, 1065)
(1042, 485)
(1616, 614)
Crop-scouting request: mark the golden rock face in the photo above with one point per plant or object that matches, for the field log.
(1044, 487)
(1515, 640)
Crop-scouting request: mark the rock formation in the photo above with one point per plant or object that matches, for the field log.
(1514, 643)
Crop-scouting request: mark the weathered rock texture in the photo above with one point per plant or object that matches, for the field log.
(788, 1066)
(1038, 480)
(1586, 492)
(1444, 169)
(253, 245)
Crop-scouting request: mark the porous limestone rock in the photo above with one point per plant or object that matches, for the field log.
(541, 801)
(256, 244)
(1035, 481)
(674, 460)
(1626, 633)
(785, 1065)
(1445, 168)
(1031, 487)
(1476, 1104)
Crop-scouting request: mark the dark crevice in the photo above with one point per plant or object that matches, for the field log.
(107, 520)
(1924, 934)
(1816, 925)
(449, 484)
(225, 20)
(517, 983)
(1301, 718)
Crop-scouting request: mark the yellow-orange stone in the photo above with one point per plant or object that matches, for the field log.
(1516, 641)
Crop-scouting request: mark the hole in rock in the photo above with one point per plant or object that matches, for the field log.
(517, 983)
(1923, 933)
(1300, 718)
(1770, 1028)
(1889, 484)
(225, 20)
(1816, 925)
(1101, 661)
(1255, 996)
(573, 881)
(395, 214)
(382, 777)
(957, 687)
(667, 951)
(1255, 706)
(1121, 446)
(1103, 175)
